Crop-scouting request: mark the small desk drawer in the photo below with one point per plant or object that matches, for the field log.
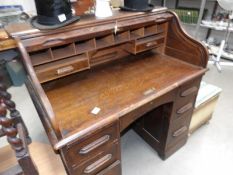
(57, 69)
(179, 129)
(148, 44)
(99, 162)
(144, 44)
(91, 146)
(190, 88)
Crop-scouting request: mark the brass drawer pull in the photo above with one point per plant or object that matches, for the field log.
(65, 70)
(94, 145)
(91, 168)
(160, 19)
(180, 131)
(150, 44)
(189, 91)
(185, 108)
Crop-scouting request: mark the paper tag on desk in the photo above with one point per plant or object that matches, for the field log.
(62, 17)
(95, 111)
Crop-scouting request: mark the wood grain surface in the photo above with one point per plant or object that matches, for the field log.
(114, 89)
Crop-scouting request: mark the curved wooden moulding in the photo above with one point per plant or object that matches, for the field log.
(182, 46)
(44, 108)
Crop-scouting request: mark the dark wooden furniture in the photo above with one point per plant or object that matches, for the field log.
(13, 127)
(89, 81)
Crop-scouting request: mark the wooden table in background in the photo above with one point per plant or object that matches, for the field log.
(46, 161)
(6, 42)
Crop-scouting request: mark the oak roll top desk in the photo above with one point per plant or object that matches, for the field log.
(91, 80)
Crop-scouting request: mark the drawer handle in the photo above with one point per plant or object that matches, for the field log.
(150, 44)
(185, 108)
(116, 164)
(53, 40)
(65, 70)
(180, 131)
(94, 145)
(91, 168)
(161, 19)
(189, 91)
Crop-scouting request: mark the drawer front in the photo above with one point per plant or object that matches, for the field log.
(184, 109)
(59, 69)
(189, 88)
(179, 128)
(99, 162)
(149, 45)
(144, 44)
(92, 145)
(186, 98)
(114, 169)
(105, 55)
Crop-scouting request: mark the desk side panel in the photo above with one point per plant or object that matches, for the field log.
(182, 46)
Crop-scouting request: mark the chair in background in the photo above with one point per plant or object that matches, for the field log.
(14, 129)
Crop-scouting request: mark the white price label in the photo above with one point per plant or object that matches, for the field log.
(95, 111)
(62, 17)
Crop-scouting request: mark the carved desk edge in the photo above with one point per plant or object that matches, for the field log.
(48, 116)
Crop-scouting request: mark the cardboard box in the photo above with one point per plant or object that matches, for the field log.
(205, 104)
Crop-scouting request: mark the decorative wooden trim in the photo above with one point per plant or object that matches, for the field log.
(38, 89)
(176, 32)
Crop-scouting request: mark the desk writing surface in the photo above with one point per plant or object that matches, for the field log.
(114, 89)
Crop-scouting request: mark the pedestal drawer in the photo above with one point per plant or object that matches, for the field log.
(99, 162)
(190, 88)
(92, 145)
(186, 98)
(179, 128)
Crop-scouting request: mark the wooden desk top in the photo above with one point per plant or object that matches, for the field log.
(115, 89)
